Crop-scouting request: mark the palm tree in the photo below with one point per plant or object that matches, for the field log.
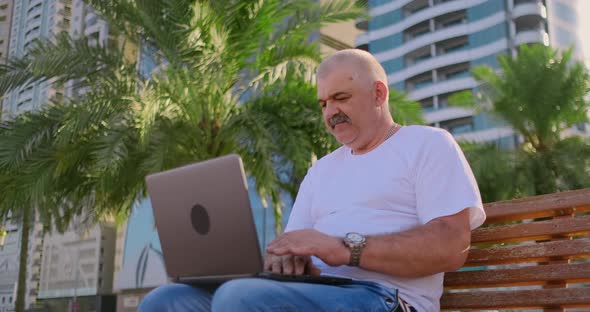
(236, 77)
(540, 93)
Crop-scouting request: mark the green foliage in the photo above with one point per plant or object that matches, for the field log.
(540, 93)
(236, 76)
(404, 111)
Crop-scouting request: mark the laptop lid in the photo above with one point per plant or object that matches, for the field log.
(204, 220)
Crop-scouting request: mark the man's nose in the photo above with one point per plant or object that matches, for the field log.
(331, 110)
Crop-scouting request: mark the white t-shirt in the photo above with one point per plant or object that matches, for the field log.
(417, 175)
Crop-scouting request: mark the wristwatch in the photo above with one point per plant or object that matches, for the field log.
(355, 242)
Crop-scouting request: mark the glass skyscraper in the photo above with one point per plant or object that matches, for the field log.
(428, 47)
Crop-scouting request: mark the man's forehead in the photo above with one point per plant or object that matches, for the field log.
(336, 81)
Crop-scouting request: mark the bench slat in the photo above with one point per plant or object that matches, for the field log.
(535, 298)
(537, 206)
(576, 248)
(532, 275)
(542, 230)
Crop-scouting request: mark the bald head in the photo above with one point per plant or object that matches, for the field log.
(363, 66)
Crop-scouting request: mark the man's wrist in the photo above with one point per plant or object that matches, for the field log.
(345, 255)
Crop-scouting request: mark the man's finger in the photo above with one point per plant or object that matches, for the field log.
(268, 262)
(300, 263)
(287, 264)
(311, 269)
(276, 267)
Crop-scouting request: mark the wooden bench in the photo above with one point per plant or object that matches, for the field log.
(532, 253)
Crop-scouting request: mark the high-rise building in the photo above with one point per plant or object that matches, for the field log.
(9, 264)
(428, 47)
(34, 20)
(10, 260)
(22, 22)
(5, 20)
(77, 268)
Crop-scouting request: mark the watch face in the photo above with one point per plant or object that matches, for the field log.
(355, 237)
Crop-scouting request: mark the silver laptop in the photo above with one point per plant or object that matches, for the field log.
(204, 221)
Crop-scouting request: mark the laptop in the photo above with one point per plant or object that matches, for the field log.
(205, 224)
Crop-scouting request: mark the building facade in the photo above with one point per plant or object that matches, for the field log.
(5, 21)
(34, 20)
(77, 266)
(22, 22)
(9, 264)
(428, 47)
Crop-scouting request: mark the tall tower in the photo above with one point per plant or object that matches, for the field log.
(429, 46)
(35, 20)
(5, 20)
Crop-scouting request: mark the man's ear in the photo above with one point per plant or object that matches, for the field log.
(381, 93)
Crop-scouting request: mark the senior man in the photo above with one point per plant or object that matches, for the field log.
(392, 208)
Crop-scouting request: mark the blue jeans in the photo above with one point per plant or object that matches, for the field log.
(256, 294)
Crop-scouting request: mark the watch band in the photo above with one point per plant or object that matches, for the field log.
(355, 255)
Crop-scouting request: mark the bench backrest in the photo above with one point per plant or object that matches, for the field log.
(531, 253)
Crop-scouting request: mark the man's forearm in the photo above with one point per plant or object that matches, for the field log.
(438, 246)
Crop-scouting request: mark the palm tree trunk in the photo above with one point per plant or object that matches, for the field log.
(22, 268)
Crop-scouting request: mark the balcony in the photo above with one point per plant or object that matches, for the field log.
(420, 81)
(486, 135)
(449, 113)
(532, 36)
(25, 95)
(454, 71)
(414, 7)
(427, 104)
(439, 35)
(35, 3)
(448, 59)
(33, 25)
(416, 31)
(458, 125)
(452, 45)
(443, 87)
(418, 55)
(450, 19)
(534, 9)
(420, 16)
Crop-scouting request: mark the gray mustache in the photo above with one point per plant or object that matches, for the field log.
(336, 119)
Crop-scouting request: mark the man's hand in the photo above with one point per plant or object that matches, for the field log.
(309, 242)
(288, 264)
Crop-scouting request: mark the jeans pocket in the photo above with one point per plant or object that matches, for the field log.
(402, 306)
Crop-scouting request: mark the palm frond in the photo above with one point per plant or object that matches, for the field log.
(60, 61)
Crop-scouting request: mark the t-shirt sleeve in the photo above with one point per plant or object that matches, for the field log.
(300, 217)
(445, 184)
